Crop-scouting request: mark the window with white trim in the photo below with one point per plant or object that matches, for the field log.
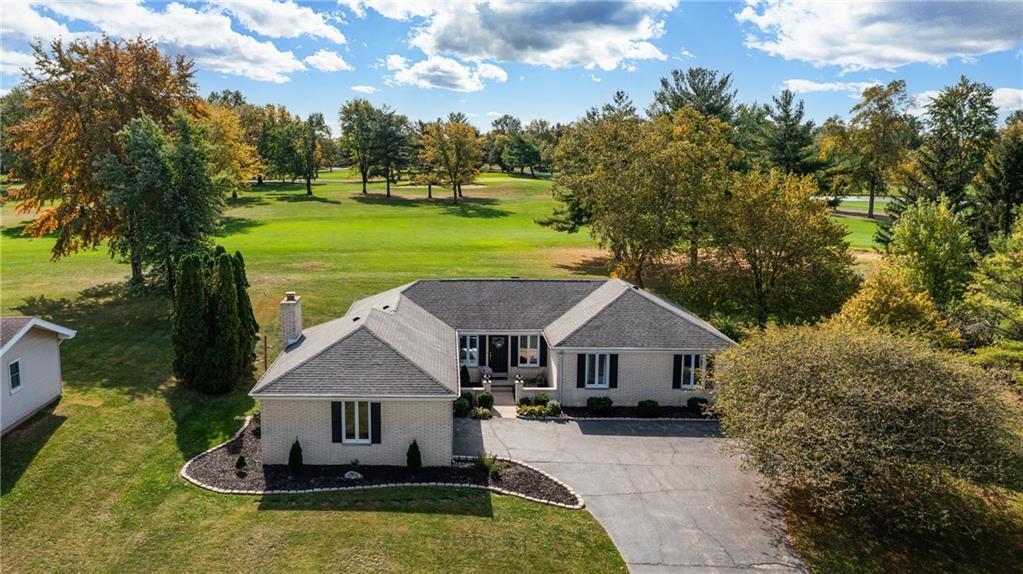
(692, 370)
(355, 422)
(469, 350)
(598, 369)
(14, 370)
(529, 350)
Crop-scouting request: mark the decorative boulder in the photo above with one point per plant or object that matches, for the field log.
(352, 475)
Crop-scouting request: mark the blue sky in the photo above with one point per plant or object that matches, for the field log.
(549, 60)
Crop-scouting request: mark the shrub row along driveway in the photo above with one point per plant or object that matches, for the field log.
(667, 495)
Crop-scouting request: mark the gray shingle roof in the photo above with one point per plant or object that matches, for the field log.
(636, 319)
(500, 304)
(403, 342)
(10, 326)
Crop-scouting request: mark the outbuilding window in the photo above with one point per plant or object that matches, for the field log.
(14, 370)
(469, 350)
(356, 422)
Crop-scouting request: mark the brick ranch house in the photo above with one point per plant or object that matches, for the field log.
(364, 385)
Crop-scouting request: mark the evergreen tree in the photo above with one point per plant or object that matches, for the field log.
(697, 88)
(999, 186)
(189, 326)
(223, 345)
(789, 141)
(249, 326)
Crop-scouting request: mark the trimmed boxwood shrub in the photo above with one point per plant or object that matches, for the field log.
(526, 401)
(541, 399)
(462, 407)
(467, 395)
(695, 405)
(485, 400)
(295, 458)
(413, 458)
(240, 464)
(481, 413)
(599, 406)
(648, 409)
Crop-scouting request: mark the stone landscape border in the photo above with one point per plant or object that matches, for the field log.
(248, 419)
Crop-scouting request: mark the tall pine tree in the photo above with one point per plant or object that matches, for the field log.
(223, 345)
(189, 326)
(249, 326)
(999, 187)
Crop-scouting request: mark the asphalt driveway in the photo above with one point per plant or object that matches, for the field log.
(669, 498)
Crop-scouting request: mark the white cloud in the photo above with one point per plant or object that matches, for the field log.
(204, 35)
(282, 19)
(1008, 99)
(881, 35)
(364, 89)
(4, 92)
(20, 21)
(327, 61)
(918, 107)
(12, 62)
(552, 34)
(595, 77)
(443, 73)
(683, 55)
(854, 89)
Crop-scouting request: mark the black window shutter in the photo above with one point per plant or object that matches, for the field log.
(483, 350)
(613, 383)
(374, 420)
(543, 351)
(580, 370)
(335, 422)
(676, 372)
(514, 350)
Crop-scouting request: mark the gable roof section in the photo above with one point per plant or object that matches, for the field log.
(584, 310)
(635, 319)
(499, 304)
(14, 328)
(385, 346)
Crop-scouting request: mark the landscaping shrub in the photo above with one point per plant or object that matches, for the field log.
(413, 458)
(463, 376)
(295, 458)
(541, 399)
(554, 408)
(531, 411)
(481, 413)
(648, 409)
(526, 401)
(240, 463)
(489, 464)
(354, 463)
(462, 407)
(485, 400)
(696, 404)
(872, 424)
(599, 406)
(469, 398)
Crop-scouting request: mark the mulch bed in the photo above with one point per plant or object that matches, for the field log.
(217, 468)
(633, 412)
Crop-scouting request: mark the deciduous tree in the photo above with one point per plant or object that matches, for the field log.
(235, 162)
(356, 118)
(80, 94)
(932, 244)
(453, 148)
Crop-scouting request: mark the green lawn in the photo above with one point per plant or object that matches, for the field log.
(93, 485)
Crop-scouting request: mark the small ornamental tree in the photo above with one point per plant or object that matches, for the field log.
(932, 244)
(864, 422)
(413, 458)
(886, 300)
(295, 458)
(188, 330)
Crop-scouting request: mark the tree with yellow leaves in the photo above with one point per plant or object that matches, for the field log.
(234, 161)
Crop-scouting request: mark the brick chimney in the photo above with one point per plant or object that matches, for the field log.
(291, 318)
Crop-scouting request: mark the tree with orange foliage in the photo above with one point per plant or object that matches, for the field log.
(80, 94)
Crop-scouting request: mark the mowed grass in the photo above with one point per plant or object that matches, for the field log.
(92, 485)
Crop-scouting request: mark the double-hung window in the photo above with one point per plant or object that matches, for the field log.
(14, 370)
(689, 370)
(598, 369)
(469, 350)
(355, 420)
(529, 350)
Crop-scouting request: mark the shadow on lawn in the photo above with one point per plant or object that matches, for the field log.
(303, 197)
(229, 225)
(475, 207)
(587, 266)
(20, 446)
(419, 500)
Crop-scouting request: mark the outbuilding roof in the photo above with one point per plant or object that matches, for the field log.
(14, 327)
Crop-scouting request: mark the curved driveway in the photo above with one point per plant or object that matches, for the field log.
(669, 498)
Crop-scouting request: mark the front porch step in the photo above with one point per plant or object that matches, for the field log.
(503, 397)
